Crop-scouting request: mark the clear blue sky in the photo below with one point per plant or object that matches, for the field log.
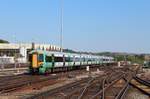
(89, 25)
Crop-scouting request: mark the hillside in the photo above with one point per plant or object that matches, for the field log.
(119, 56)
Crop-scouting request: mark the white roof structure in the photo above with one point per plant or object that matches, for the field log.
(29, 46)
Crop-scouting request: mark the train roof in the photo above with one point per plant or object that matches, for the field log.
(51, 52)
(69, 54)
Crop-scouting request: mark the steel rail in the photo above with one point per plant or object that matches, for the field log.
(14, 86)
(104, 82)
(143, 91)
(109, 85)
(90, 84)
(146, 83)
(56, 90)
(86, 88)
(123, 91)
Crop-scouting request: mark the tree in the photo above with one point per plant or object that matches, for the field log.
(3, 41)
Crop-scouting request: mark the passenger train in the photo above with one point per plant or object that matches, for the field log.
(42, 61)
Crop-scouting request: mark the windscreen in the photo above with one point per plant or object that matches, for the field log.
(40, 58)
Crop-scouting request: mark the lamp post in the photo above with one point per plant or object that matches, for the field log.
(61, 26)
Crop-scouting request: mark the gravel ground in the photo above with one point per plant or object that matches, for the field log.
(135, 94)
(147, 74)
(12, 71)
(62, 82)
(144, 74)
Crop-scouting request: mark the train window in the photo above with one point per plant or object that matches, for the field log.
(87, 59)
(58, 59)
(69, 59)
(83, 59)
(40, 57)
(48, 59)
(77, 59)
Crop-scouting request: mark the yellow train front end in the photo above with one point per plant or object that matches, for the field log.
(36, 61)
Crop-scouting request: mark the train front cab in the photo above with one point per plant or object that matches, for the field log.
(36, 60)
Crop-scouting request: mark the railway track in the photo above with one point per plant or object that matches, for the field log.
(18, 82)
(125, 84)
(142, 85)
(13, 65)
(113, 85)
(77, 90)
(12, 70)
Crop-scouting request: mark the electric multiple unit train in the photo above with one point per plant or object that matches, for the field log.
(42, 61)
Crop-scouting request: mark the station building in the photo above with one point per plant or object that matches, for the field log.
(21, 50)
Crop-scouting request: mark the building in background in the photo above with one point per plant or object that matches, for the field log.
(20, 51)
